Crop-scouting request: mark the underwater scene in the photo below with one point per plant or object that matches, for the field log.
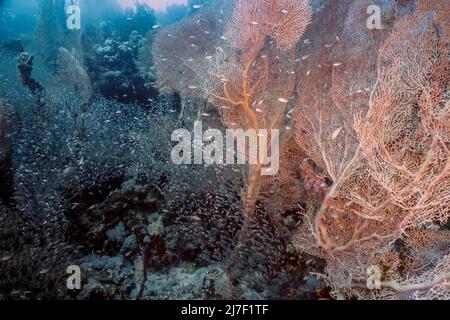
(224, 149)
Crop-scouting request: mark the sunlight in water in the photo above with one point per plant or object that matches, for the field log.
(156, 4)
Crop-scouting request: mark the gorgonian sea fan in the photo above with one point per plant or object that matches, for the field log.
(285, 21)
(384, 146)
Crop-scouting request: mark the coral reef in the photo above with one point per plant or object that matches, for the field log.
(87, 129)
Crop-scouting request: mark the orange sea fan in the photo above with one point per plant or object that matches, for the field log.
(283, 20)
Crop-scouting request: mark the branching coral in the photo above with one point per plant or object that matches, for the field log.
(371, 117)
(385, 148)
(405, 135)
(73, 73)
(283, 20)
(241, 71)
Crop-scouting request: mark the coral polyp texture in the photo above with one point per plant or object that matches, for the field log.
(225, 149)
